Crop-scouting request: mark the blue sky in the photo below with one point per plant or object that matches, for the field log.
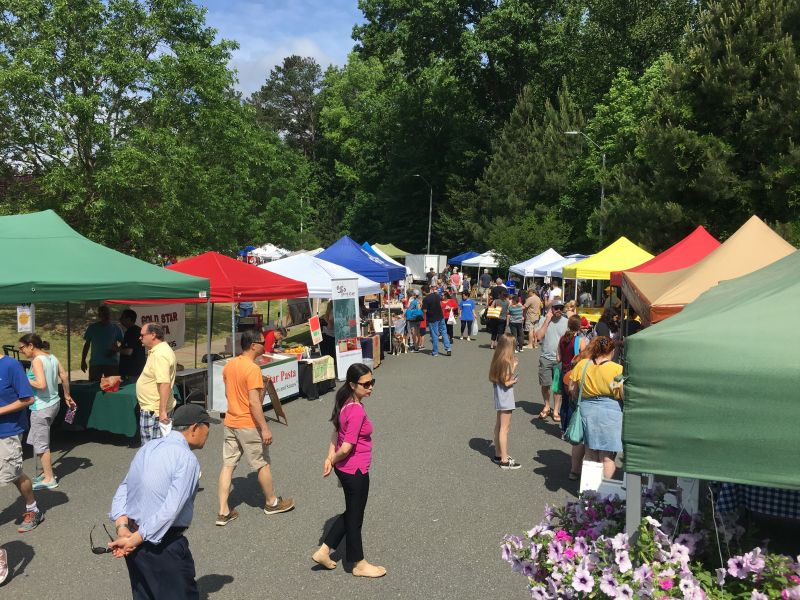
(269, 30)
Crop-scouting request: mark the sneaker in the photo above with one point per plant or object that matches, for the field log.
(41, 485)
(434, 355)
(280, 507)
(461, 338)
(3, 565)
(468, 339)
(223, 520)
(38, 478)
(510, 464)
(516, 351)
(449, 353)
(30, 521)
(522, 349)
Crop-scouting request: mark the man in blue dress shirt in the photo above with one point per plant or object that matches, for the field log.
(154, 505)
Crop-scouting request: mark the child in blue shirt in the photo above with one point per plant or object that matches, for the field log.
(467, 314)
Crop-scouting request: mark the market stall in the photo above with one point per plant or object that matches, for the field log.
(347, 253)
(656, 296)
(725, 409)
(75, 269)
(556, 269)
(691, 249)
(458, 260)
(622, 254)
(318, 274)
(528, 267)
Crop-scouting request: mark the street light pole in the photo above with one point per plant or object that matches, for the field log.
(430, 209)
(602, 181)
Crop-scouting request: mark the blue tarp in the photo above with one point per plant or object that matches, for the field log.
(457, 260)
(347, 253)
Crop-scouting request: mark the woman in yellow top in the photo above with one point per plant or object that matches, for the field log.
(601, 403)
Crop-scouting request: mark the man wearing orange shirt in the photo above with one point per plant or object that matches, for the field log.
(246, 430)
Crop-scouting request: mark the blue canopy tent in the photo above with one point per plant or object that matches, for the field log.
(457, 260)
(347, 253)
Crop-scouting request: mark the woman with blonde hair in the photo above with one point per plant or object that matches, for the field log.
(570, 308)
(503, 375)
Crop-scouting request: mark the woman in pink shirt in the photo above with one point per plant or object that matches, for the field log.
(350, 455)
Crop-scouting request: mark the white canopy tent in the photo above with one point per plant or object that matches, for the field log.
(556, 268)
(486, 260)
(269, 252)
(527, 268)
(317, 274)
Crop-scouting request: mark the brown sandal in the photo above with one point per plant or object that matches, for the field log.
(545, 413)
(556, 418)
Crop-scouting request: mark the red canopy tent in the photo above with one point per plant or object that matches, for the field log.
(232, 281)
(694, 247)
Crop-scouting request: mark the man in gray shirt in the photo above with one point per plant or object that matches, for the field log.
(548, 332)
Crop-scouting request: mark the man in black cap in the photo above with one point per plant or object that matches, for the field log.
(154, 505)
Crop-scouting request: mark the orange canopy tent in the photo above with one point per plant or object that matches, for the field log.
(656, 296)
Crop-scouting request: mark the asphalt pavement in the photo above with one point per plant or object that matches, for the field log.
(437, 511)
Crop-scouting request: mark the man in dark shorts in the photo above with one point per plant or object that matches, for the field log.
(549, 331)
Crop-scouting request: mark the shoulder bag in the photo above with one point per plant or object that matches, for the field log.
(574, 433)
(414, 313)
(494, 311)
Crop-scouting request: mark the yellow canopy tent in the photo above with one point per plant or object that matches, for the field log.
(619, 256)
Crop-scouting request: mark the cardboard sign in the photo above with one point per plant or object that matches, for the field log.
(316, 330)
(172, 317)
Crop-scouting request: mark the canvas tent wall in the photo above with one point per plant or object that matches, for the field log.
(656, 296)
(75, 268)
(725, 406)
(690, 250)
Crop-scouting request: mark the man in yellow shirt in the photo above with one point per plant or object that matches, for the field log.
(154, 386)
(246, 430)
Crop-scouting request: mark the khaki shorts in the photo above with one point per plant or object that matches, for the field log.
(39, 433)
(247, 442)
(10, 459)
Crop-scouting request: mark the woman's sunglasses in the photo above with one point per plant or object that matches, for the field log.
(366, 384)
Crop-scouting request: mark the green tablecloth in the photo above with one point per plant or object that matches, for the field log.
(114, 412)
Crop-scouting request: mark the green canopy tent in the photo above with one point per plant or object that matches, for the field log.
(66, 266)
(391, 250)
(712, 391)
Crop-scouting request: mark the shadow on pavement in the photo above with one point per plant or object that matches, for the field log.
(65, 465)
(45, 500)
(20, 556)
(209, 584)
(530, 408)
(482, 446)
(554, 469)
(338, 553)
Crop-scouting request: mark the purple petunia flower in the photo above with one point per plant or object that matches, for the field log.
(642, 573)
(737, 567)
(619, 541)
(539, 592)
(686, 586)
(580, 546)
(721, 576)
(624, 592)
(754, 561)
(623, 561)
(756, 595)
(582, 581)
(608, 584)
(505, 552)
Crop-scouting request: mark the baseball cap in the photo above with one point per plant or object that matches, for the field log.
(189, 414)
(557, 301)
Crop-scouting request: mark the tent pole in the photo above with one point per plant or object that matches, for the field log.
(69, 345)
(210, 382)
(195, 335)
(268, 321)
(633, 503)
(233, 328)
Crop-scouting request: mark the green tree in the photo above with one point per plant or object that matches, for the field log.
(287, 102)
(518, 238)
(719, 143)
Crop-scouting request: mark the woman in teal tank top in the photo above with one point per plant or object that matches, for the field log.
(44, 375)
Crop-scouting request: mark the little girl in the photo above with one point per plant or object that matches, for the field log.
(502, 373)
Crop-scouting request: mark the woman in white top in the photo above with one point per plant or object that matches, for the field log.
(44, 374)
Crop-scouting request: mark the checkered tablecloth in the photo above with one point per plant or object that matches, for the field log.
(768, 501)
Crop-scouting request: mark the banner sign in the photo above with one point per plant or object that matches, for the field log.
(344, 295)
(26, 318)
(284, 377)
(172, 317)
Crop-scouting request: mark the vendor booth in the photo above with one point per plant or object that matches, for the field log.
(724, 406)
(556, 269)
(528, 267)
(656, 296)
(487, 260)
(75, 269)
(459, 260)
(691, 249)
(347, 253)
(622, 254)
(318, 274)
